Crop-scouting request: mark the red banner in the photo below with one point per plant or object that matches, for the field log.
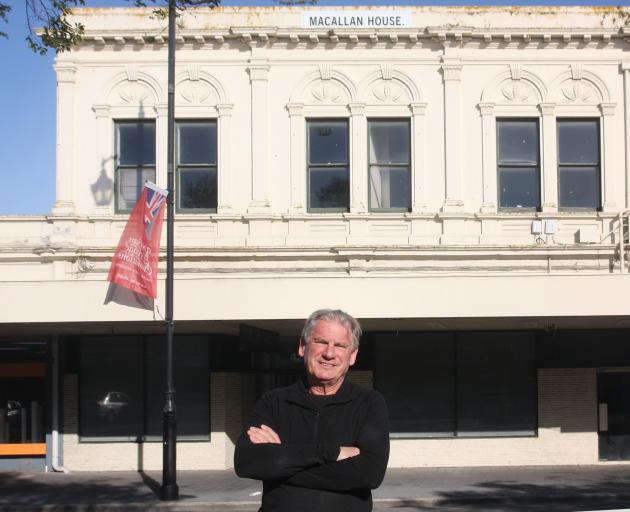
(134, 265)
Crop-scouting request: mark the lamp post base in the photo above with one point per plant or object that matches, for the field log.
(169, 492)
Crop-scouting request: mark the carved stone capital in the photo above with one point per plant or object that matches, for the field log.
(65, 73)
(547, 109)
(486, 109)
(258, 72)
(225, 109)
(418, 109)
(451, 69)
(356, 109)
(295, 109)
(607, 109)
(101, 110)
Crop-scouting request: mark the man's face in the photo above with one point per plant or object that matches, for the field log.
(328, 354)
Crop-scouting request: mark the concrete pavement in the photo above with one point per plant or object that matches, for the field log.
(494, 489)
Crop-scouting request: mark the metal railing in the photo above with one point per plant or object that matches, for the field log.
(621, 225)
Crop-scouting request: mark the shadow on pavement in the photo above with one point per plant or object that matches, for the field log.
(20, 491)
(499, 496)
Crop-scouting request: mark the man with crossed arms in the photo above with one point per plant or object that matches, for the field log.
(321, 444)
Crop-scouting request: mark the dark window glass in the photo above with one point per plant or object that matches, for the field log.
(579, 163)
(469, 384)
(191, 376)
(329, 188)
(328, 165)
(328, 142)
(135, 160)
(415, 374)
(111, 388)
(197, 165)
(122, 385)
(518, 159)
(389, 164)
(496, 383)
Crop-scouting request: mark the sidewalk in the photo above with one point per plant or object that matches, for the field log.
(505, 488)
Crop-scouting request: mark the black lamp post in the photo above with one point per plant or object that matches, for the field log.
(170, 489)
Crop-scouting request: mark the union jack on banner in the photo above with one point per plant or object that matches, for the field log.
(133, 274)
(155, 199)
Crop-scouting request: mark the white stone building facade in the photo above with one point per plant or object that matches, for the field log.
(460, 182)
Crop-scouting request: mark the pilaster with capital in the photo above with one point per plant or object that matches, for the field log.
(161, 143)
(418, 156)
(64, 198)
(451, 74)
(224, 167)
(549, 164)
(259, 79)
(297, 158)
(358, 159)
(105, 162)
(489, 158)
(608, 157)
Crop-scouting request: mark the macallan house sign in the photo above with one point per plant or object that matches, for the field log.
(355, 19)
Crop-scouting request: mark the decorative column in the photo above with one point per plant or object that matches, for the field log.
(161, 142)
(64, 201)
(418, 156)
(625, 68)
(224, 167)
(103, 186)
(297, 159)
(549, 164)
(259, 78)
(358, 159)
(489, 158)
(451, 74)
(608, 158)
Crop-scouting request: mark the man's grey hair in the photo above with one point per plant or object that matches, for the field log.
(333, 315)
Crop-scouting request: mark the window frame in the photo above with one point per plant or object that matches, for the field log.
(457, 375)
(309, 209)
(178, 166)
(538, 166)
(138, 168)
(581, 209)
(408, 166)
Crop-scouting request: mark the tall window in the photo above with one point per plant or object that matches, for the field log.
(197, 165)
(389, 165)
(135, 160)
(518, 159)
(328, 165)
(579, 164)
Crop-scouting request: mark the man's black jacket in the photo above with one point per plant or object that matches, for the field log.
(302, 474)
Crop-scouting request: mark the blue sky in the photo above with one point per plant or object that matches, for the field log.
(27, 104)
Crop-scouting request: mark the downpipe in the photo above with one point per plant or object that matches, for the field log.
(54, 465)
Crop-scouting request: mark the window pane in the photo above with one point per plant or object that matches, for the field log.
(111, 387)
(197, 143)
(579, 187)
(517, 141)
(197, 188)
(390, 187)
(191, 376)
(519, 187)
(328, 142)
(136, 143)
(389, 142)
(415, 374)
(496, 384)
(578, 141)
(328, 188)
(130, 185)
